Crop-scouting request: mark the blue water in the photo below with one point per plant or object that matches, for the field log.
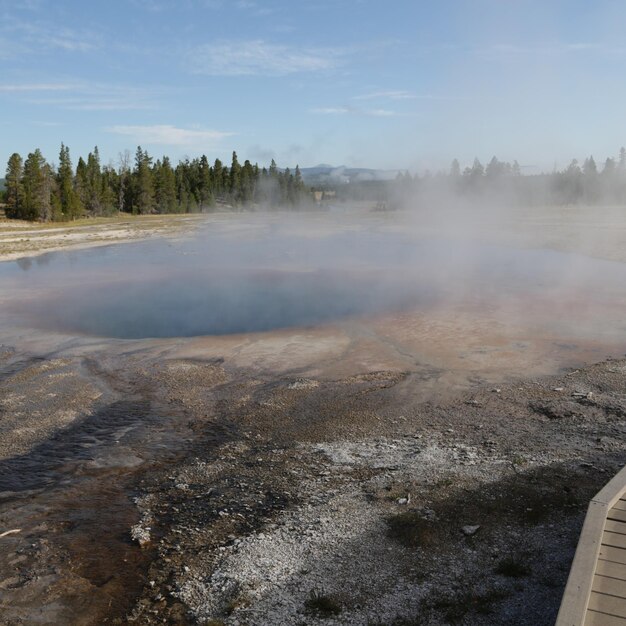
(223, 283)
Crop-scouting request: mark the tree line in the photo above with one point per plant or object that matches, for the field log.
(38, 190)
(502, 181)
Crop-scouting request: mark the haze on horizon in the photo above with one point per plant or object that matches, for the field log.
(349, 82)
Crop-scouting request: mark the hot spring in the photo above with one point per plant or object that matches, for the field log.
(221, 283)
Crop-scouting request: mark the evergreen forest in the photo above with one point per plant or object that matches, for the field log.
(37, 190)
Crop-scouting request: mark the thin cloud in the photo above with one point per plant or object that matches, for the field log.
(165, 134)
(83, 96)
(553, 49)
(43, 35)
(153, 6)
(353, 111)
(331, 111)
(94, 104)
(388, 95)
(260, 58)
(156, 6)
(398, 95)
(46, 124)
(26, 87)
(24, 5)
(70, 43)
(380, 113)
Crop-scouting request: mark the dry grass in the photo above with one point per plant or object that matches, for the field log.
(513, 568)
(322, 605)
(456, 608)
(410, 529)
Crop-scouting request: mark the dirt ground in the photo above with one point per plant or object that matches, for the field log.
(20, 239)
(321, 476)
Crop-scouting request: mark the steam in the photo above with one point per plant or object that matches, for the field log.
(488, 270)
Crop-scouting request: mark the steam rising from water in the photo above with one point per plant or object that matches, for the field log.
(256, 275)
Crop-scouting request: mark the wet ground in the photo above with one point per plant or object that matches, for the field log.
(349, 365)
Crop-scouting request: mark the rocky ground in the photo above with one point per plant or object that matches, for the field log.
(189, 492)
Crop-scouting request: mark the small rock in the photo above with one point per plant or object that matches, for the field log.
(496, 390)
(469, 531)
(140, 534)
(428, 514)
(559, 389)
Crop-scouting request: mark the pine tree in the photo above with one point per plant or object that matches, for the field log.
(455, 169)
(69, 205)
(247, 183)
(14, 187)
(273, 169)
(218, 176)
(109, 195)
(82, 182)
(473, 176)
(477, 170)
(590, 181)
(37, 201)
(48, 191)
(123, 181)
(144, 189)
(288, 191)
(205, 184)
(620, 193)
(165, 187)
(299, 187)
(275, 185)
(609, 167)
(93, 200)
(235, 180)
(589, 167)
(494, 168)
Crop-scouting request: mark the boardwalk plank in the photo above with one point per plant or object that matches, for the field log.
(615, 526)
(617, 555)
(614, 539)
(612, 586)
(607, 604)
(617, 515)
(593, 618)
(614, 570)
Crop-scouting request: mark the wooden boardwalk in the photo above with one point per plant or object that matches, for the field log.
(595, 594)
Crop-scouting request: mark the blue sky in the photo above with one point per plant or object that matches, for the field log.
(399, 84)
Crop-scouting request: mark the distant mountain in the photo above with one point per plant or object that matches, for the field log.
(332, 175)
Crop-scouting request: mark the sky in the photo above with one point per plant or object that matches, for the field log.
(403, 84)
